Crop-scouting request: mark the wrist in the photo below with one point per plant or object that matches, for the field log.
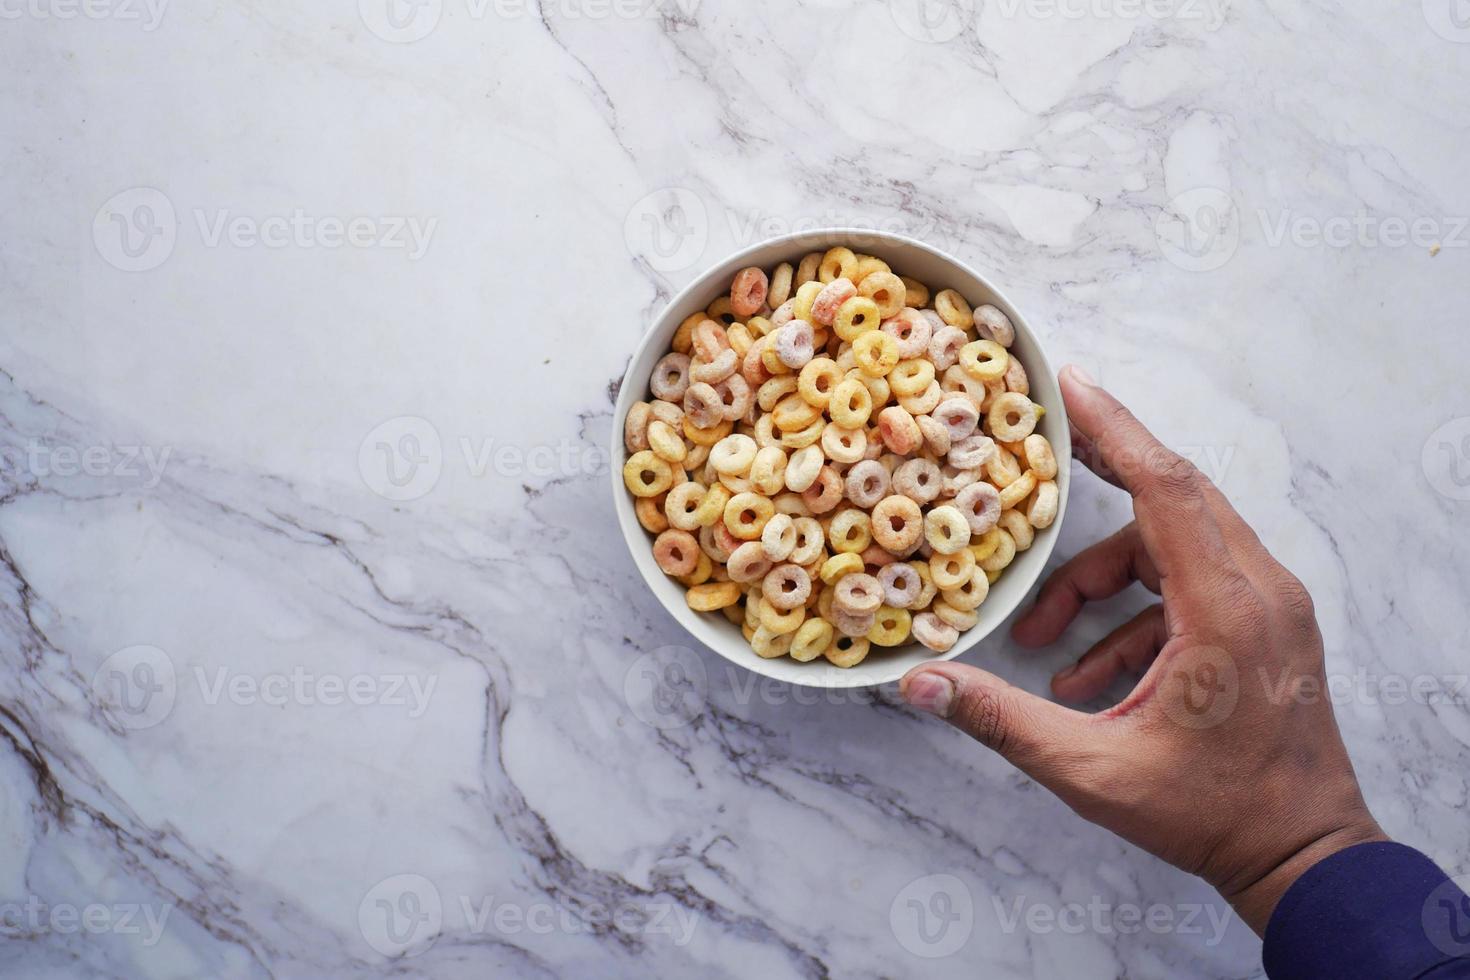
(1255, 901)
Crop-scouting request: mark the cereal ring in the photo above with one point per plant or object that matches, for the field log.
(867, 483)
(936, 436)
(793, 412)
(1003, 469)
(980, 504)
(779, 621)
(794, 344)
(960, 619)
(635, 427)
(854, 624)
(1017, 490)
(805, 299)
(945, 346)
(709, 542)
(840, 565)
(956, 479)
(886, 290)
(952, 570)
(972, 451)
(876, 557)
(849, 531)
(1012, 417)
(891, 627)
(666, 443)
(927, 589)
(897, 523)
(858, 593)
(748, 292)
(676, 552)
(811, 640)
(919, 480)
(779, 290)
(786, 586)
(781, 316)
(1043, 509)
(847, 651)
(1016, 379)
(838, 263)
(746, 515)
(971, 593)
(825, 493)
(715, 595)
(710, 340)
(736, 397)
(899, 431)
(917, 293)
(650, 513)
(934, 633)
(984, 360)
(748, 563)
(910, 377)
(1039, 457)
(851, 404)
(791, 505)
(683, 341)
(803, 468)
(844, 445)
(733, 455)
(856, 316)
(959, 384)
(806, 269)
(768, 645)
(711, 507)
(768, 471)
(868, 265)
(924, 402)
(953, 309)
(670, 377)
(831, 298)
(959, 415)
(681, 506)
(994, 325)
(946, 530)
(901, 585)
(703, 572)
(1019, 528)
(876, 353)
(769, 395)
(818, 379)
(712, 372)
(703, 406)
(753, 367)
(646, 475)
(778, 538)
(1004, 554)
(663, 411)
(809, 541)
(911, 330)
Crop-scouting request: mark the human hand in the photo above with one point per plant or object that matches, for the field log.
(1211, 763)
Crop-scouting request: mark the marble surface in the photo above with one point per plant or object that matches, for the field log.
(321, 654)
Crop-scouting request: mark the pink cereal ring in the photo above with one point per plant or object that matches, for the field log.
(936, 434)
(825, 493)
(899, 430)
(670, 377)
(944, 347)
(676, 552)
(787, 586)
(959, 416)
(783, 314)
(748, 292)
(901, 584)
(855, 625)
(994, 325)
(919, 480)
(833, 295)
(912, 331)
(867, 483)
(858, 593)
(709, 339)
(736, 398)
(703, 405)
(972, 451)
(980, 503)
(748, 563)
(727, 541)
(794, 344)
(753, 369)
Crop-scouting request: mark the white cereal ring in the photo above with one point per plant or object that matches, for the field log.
(794, 344)
(980, 504)
(670, 377)
(918, 479)
(946, 529)
(945, 345)
(867, 483)
(809, 541)
(803, 468)
(972, 451)
(733, 455)
(901, 584)
(778, 539)
(934, 633)
(959, 416)
(994, 325)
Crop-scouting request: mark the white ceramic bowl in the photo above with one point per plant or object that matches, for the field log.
(936, 270)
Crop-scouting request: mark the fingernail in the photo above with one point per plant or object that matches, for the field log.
(933, 693)
(1080, 375)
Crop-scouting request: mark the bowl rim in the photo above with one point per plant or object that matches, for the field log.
(701, 626)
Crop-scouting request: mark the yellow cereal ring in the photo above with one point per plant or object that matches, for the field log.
(802, 438)
(953, 309)
(968, 594)
(927, 590)
(666, 443)
(1017, 491)
(706, 437)
(811, 640)
(991, 577)
(646, 475)
(1018, 528)
(885, 289)
(868, 265)
(847, 651)
(741, 337)
(712, 506)
(910, 377)
(768, 645)
(850, 531)
(1043, 508)
(1004, 554)
(701, 574)
(838, 263)
(984, 360)
(746, 515)
(890, 628)
(985, 547)
(851, 404)
(876, 353)
(839, 565)
(806, 269)
(721, 311)
(818, 379)
(683, 341)
(916, 293)
(801, 307)
(952, 571)
(794, 412)
(1012, 417)
(650, 511)
(780, 621)
(1039, 456)
(856, 317)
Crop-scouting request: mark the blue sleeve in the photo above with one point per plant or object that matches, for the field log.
(1382, 911)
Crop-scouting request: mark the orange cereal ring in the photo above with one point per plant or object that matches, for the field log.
(748, 292)
(676, 552)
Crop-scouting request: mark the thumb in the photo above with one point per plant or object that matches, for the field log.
(1043, 739)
